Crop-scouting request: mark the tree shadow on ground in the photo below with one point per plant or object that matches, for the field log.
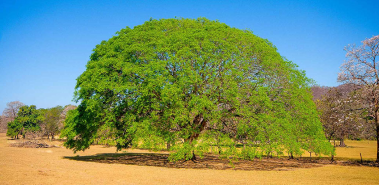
(207, 162)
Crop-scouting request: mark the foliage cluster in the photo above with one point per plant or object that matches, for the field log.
(28, 120)
(50, 125)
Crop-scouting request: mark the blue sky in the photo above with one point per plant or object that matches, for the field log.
(45, 45)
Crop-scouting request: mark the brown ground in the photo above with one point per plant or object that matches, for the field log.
(208, 162)
(101, 165)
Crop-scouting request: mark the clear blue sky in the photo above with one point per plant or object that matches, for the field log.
(45, 45)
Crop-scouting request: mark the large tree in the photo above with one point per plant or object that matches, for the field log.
(361, 68)
(194, 84)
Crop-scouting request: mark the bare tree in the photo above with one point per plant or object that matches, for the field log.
(10, 112)
(319, 91)
(361, 68)
(3, 124)
(338, 116)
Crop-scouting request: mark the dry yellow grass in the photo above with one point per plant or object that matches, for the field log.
(354, 148)
(47, 166)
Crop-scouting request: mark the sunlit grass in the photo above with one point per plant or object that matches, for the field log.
(354, 148)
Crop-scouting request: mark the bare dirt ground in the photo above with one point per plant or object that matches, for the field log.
(100, 165)
(208, 162)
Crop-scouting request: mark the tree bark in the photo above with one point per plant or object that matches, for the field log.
(200, 123)
(193, 156)
(310, 156)
(218, 145)
(168, 145)
(342, 143)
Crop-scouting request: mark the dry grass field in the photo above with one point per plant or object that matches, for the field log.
(354, 148)
(61, 166)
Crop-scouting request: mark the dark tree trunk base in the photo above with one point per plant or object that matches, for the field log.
(342, 143)
(291, 156)
(193, 156)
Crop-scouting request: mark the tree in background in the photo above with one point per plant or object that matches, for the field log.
(14, 128)
(361, 68)
(10, 112)
(3, 124)
(319, 91)
(63, 115)
(194, 84)
(50, 125)
(338, 113)
(28, 120)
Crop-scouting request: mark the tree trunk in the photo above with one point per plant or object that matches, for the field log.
(52, 136)
(291, 155)
(200, 123)
(218, 145)
(342, 143)
(48, 136)
(168, 145)
(193, 156)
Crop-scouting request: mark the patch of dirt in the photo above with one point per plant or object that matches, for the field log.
(208, 162)
(31, 144)
(357, 163)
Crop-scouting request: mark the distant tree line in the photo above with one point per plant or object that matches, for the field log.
(20, 120)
